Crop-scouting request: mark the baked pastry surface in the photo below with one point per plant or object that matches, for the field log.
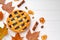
(18, 21)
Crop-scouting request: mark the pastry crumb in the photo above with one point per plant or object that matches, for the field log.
(44, 37)
(42, 26)
(30, 12)
(42, 20)
(33, 17)
(26, 7)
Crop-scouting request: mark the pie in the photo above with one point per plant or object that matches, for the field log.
(18, 21)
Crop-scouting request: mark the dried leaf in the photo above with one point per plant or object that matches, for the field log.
(3, 31)
(2, 1)
(35, 25)
(17, 37)
(32, 36)
(1, 16)
(8, 7)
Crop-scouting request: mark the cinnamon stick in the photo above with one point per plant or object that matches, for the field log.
(21, 3)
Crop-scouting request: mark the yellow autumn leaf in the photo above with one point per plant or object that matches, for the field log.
(3, 31)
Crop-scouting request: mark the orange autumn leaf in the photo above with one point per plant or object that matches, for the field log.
(8, 7)
(3, 31)
(32, 36)
(17, 37)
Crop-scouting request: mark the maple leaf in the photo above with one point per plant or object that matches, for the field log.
(8, 7)
(3, 31)
(17, 37)
(32, 36)
(2, 1)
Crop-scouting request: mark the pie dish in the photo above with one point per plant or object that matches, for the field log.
(18, 21)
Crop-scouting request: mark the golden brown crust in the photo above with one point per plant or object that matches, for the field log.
(18, 20)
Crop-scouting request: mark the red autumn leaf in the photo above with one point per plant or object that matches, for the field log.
(32, 36)
(17, 37)
(1, 16)
(8, 7)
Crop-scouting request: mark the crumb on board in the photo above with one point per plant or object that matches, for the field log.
(44, 37)
(42, 20)
(30, 12)
(33, 17)
(26, 7)
(42, 26)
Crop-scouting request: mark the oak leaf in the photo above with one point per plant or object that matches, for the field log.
(3, 31)
(8, 7)
(17, 37)
(32, 36)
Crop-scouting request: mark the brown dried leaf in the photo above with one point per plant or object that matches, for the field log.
(8, 7)
(2, 1)
(33, 17)
(17, 37)
(32, 36)
(3, 31)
